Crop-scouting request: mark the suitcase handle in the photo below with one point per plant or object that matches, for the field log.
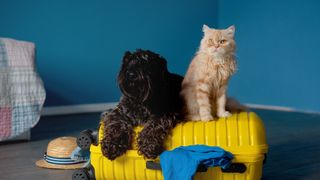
(156, 166)
(233, 168)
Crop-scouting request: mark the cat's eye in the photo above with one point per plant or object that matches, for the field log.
(211, 42)
(222, 41)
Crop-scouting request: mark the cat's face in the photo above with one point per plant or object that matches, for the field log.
(218, 42)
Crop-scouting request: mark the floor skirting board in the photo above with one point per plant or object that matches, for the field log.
(77, 109)
(100, 107)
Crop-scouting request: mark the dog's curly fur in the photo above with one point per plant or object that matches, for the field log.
(150, 98)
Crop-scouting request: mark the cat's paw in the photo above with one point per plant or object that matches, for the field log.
(224, 114)
(194, 118)
(207, 118)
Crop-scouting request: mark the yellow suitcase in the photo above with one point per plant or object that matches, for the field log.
(242, 134)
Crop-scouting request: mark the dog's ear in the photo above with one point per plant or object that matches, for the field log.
(126, 57)
(163, 62)
(163, 66)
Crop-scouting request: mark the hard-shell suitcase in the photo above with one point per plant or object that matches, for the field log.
(242, 134)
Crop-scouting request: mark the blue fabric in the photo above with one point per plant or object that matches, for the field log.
(80, 155)
(182, 162)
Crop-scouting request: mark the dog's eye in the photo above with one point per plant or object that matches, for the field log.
(131, 75)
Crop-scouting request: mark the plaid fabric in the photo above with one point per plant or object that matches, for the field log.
(5, 122)
(3, 56)
(21, 90)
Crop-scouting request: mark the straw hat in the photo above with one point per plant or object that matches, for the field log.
(58, 155)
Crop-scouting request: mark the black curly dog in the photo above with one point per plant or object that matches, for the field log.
(150, 98)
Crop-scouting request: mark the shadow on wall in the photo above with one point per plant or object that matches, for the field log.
(56, 98)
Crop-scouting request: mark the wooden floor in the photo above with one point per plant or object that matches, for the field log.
(294, 140)
(17, 160)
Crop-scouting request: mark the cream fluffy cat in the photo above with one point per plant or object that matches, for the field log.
(205, 83)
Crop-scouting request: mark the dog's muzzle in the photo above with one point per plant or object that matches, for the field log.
(131, 76)
(136, 86)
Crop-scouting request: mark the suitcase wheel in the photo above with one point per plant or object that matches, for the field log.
(86, 173)
(86, 138)
(80, 174)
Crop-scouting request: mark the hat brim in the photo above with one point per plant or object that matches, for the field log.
(44, 164)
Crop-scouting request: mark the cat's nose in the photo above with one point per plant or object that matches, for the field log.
(216, 46)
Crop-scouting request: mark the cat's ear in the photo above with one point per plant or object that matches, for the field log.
(231, 30)
(205, 28)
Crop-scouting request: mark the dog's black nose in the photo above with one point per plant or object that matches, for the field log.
(131, 75)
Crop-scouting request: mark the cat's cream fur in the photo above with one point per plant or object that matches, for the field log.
(205, 83)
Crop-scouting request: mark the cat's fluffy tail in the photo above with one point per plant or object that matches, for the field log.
(234, 105)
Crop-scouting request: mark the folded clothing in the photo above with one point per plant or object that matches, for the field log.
(182, 162)
(80, 155)
(22, 93)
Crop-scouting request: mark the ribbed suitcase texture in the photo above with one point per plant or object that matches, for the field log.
(242, 134)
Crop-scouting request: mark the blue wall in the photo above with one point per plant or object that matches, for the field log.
(80, 44)
(278, 51)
